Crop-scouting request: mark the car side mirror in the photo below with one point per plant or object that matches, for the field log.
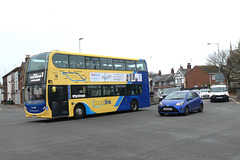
(190, 98)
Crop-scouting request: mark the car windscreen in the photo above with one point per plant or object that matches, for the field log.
(169, 90)
(219, 89)
(176, 95)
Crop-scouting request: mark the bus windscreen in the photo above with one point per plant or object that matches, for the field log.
(37, 62)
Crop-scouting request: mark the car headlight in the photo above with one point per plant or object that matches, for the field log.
(160, 103)
(180, 103)
(226, 94)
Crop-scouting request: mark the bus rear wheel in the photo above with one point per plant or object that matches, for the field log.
(79, 112)
(134, 105)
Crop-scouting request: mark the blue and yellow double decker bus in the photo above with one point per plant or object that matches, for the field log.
(64, 84)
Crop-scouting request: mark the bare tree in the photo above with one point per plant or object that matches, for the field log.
(233, 63)
(220, 60)
(228, 62)
(234, 59)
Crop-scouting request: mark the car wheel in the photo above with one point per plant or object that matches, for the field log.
(186, 112)
(134, 105)
(227, 99)
(200, 108)
(79, 112)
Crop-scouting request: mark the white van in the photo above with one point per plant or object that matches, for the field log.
(219, 93)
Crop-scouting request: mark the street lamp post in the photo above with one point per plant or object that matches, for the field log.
(80, 45)
(218, 54)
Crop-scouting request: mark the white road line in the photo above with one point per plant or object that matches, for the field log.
(235, 101)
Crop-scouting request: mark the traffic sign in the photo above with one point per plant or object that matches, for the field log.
(219, 77)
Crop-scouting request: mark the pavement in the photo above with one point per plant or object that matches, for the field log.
(11, 106)
(234, 97)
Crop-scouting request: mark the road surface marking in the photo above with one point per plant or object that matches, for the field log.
(235, 101)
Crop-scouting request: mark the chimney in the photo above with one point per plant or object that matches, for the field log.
(172, 71)
(189, 66)
(159, 73)
(181, 67)
(27, 57)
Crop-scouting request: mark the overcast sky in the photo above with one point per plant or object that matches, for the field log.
(167, 33)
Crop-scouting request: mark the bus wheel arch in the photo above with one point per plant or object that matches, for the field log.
(79, 111)
(134, 105)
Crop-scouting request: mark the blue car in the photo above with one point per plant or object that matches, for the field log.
(180, 102)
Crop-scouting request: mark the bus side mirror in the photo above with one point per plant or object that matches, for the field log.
(53, 89)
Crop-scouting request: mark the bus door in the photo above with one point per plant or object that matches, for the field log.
(58, 100)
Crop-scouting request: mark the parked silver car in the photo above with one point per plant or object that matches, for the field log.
(155, 97)
(196, 90)
(167, 91)
(205, 93)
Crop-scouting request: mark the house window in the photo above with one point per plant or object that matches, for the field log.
(178, 81)
(171, 82)
(213, 77)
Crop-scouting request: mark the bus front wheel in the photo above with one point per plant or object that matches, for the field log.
(79, 112)
(134, 105)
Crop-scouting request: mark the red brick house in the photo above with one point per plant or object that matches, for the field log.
(201, 76)
(13, 84)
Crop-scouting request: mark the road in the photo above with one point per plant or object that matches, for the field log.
(213, 134)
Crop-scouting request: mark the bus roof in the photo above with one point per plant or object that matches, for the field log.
(92, 55)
